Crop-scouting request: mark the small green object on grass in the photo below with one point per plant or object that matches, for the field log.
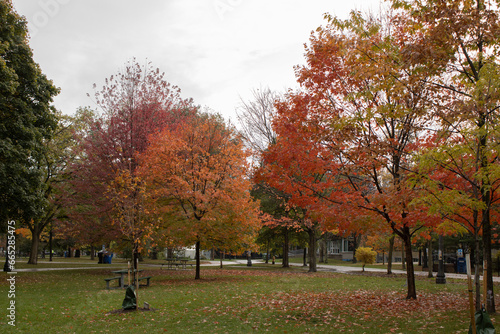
(130, 301)
(483, 323)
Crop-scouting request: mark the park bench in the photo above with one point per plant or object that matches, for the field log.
(176, 263)
(118, 278)
(144, 278)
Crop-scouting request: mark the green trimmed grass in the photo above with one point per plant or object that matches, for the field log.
(236, 300)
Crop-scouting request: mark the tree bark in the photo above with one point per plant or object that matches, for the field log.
(410, 273)
(285, 263)
(35, 241)
(477, 261)
(50, 244)
(321, 252)
(305, 257)
(326, 247)
(312, 250)
(425, 264)
(92, 252)
(430, 260)
(355, 246)
(267, 252)
(403, 250)
(391, 249)
(490, 298)
(197, 275)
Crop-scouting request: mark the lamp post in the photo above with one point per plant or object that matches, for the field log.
(441, 278)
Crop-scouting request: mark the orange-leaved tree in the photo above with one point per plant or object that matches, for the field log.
(347, 139)
(458, 41)
(130, 215)
(197, 176)
(135, 103)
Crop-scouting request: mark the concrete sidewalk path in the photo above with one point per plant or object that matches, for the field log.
(320, 267)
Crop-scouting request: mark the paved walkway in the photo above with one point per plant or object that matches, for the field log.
(346, 269)
(321, 267)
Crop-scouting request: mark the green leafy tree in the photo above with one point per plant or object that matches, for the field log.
(26, 120)
(53, 164)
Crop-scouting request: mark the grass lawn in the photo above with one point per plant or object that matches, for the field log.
(235, 300)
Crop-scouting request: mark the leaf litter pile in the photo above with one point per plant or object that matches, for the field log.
(337, 308)
(360, 308)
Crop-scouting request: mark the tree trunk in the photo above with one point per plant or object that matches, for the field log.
(354, 247)
(425, 264)
(321, 252)
(326, 247)
(92, 252)
(410, 273)
(286, 264)
(490, 298)
(267, 252)
(35, 241)
(430, 259)
(403, 250)
(135, 261)
(477, 261)
(391, 249)
(197, 276)
(312, 250)
(305, 257)
(50, 244)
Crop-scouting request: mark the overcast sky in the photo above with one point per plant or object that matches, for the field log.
(216, 51)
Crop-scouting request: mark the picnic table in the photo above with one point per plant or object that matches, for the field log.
(121, 278)
(171, 263)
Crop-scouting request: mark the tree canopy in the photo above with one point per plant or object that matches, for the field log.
(27, 118)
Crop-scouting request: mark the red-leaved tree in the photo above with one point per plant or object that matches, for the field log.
(136, 103)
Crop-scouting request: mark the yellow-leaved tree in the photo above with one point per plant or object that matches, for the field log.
(366, 255)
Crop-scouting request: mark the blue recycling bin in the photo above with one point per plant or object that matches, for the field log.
(461, 265)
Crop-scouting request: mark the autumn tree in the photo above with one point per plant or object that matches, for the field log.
(255, 117)
(135, 104)
(197, 175)
(129, 213)
(365, 255)
(347, 139)
(459, 42)
(27, 119)
(54, 162)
